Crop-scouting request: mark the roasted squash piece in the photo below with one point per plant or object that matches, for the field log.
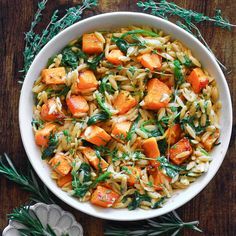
(91, 44)
(120, 130)
(42, 135)
(208, 144)
(86, 81)
(124, 102)
(54, 75)
(198, 80)
(114, 56)
(173, 134)
(96, 135)
(158, 95)
(180, 151)
(104, 197)
(91, 156)
(60, 164)
(77, 105)
(151, 61)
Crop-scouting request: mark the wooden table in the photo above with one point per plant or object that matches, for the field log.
(215, 206)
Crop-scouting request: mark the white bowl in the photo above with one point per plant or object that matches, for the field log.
(104, 22)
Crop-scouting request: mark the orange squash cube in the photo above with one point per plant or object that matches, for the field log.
(124, 102)
(180, 147)
(104, 197)
(151, 150)
(77, 105)
(96, 135)
(42, 135)
(158, 95)
(173, 134)
(114, 56)
(91, 156)
(120, 130)
(198, 80)
(208, 144)
(54, 75)
(63, 180)
(60, 164)
(150, 61)
(86, 81)
(91, 44)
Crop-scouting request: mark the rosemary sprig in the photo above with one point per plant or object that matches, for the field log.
(165, 9)
(35, 42)
(170, 224)
(33, 226)
(27, 182)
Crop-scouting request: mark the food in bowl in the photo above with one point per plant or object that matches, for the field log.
(125, 117)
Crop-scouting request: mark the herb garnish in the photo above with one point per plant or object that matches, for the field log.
(137, 198)
(133, 128)
(188, 18)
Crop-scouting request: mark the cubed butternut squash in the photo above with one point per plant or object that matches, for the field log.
(96, 162)
(63, 180)
(91, 44)
(114, 56)
(104, 197)
(198, 80)
(158, 95)
(158, 179)
(120, 130)
(86, 81)
(60, 164)
(208, 144)
(173, 134)
(77, 105)
(151, 150)
(54, 75)
(50, 112)
(151, 61)
(124, 102)
(42, 135)
(180, 151)
(96, 135)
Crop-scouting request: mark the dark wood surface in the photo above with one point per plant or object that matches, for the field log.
(214, 207)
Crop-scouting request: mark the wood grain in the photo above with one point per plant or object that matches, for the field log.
(215, 206)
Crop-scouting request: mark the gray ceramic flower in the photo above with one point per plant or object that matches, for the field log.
(59, 220)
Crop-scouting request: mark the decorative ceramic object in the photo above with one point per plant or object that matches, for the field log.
(60, 221)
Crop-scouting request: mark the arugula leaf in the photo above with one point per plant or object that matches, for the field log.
(52, 145)
(105, 86)
(101, 116)
(140, 31)
(95, 61)
(154, 133)
(137, 199)
(101, 102)
(171, 170)
(121, 44)
(101, 178)
(178, 72)
(37, 123)
(69, 58)
(133, 128)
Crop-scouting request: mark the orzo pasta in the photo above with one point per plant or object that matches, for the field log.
(125, 117)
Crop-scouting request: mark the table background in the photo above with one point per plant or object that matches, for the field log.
(214, 207)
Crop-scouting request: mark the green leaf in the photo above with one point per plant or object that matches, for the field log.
(137, 199)
(133, 128)
(139, 31)
(171, 170)
(95, 61)
(101, 103)
(101, 116)
(105, 86)
(178, 72)
(52, 145)
(121, 44)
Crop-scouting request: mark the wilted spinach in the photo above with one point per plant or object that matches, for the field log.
(52, 145)
(137, 198)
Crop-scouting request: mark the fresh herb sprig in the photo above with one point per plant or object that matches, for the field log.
(33, 226)
(27, 182)
(170, 224)
(188, 18)
(35, 42)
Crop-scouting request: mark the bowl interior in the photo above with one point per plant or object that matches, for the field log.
(106, 22)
